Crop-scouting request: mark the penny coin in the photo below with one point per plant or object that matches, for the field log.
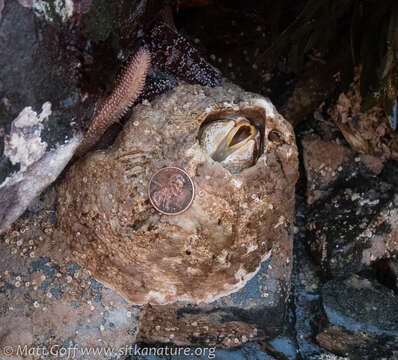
(171, 191)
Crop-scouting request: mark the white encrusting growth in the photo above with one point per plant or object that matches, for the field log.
(24, 144)
(38, 168)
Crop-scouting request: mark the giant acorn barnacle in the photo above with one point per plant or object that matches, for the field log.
(233, 141)
(242, 211)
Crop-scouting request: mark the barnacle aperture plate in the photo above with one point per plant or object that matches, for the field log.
(233, 141)
(242, 211)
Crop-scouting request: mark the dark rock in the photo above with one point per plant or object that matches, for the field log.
(1, 7)
(354, 227)
(356, 345)
(313, 86)
(360, 304)
(306, 286)
(31, 72)
(390, 172)
(257, 311)
(362, 319)
(328, 164)
(39, 98)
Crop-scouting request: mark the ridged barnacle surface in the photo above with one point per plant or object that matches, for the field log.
(242, 158)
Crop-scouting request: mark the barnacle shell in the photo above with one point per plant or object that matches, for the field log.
(238, 218)
(233, 141)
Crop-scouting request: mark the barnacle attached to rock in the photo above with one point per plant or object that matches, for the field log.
(233, 141)
(242, 210)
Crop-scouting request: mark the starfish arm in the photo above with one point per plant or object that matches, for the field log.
(128, 87)
(156, 84)
(171, 52)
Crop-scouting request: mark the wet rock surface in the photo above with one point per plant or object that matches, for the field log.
(361, 315)
(342, 303)
(50, 303)
(330, 163)
(345, 287)
(257, 311)
(354, 227)
(39, 104)
(360, 304)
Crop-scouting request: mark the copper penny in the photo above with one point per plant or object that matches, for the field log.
(171, 191)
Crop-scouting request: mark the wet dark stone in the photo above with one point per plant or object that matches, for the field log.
(37, 74)
(56, 291)
(250, 305)
(362, 319)
(360, 304)
(306, 298)
(31, 73)
(8, 199)
(6, 168)
(344, 225)
(57, 310)
(39, 264)
(72, 267)
(95, 285)
(390, 172)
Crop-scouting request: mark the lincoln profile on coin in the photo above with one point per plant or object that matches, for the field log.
(171, 190)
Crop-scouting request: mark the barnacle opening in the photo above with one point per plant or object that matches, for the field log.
(244, 131)
(233, 139)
